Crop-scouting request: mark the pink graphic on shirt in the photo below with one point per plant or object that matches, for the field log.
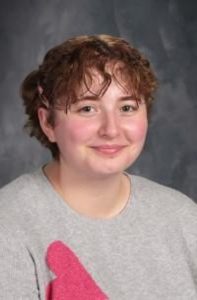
(72, 281)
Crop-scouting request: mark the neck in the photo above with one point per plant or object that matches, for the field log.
(102, 197)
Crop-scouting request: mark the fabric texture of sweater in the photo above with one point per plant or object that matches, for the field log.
(48, 251)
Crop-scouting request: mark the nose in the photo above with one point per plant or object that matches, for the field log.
(109, 125)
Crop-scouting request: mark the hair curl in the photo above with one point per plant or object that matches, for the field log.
(68, 65)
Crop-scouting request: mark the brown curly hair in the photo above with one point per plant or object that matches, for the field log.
(68, 65)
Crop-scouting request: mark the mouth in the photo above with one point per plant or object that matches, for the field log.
(108, 149)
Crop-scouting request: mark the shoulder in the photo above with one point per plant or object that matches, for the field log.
(17, 190)
(18, 201)
(167, 211)
(163, 201)
(158, 193)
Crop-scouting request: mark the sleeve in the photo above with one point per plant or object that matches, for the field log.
(17, 270)
(188, 219)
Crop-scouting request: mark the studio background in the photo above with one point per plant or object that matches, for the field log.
(164, 30)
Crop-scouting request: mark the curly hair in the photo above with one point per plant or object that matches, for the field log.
(67, 66)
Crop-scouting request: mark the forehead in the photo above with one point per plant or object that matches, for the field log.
(96, 82)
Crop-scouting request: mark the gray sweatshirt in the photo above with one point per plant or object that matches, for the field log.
(49, 251)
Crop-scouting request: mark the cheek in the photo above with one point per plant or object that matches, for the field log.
(137, 130)
(74, 132)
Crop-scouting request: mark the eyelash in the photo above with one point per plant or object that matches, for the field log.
(84, 108)
(87, 109)
(132, 108)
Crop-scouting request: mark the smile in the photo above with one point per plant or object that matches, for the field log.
(108, 149)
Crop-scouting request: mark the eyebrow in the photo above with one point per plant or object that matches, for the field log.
(91, 97)
(130, 97)
(96, 98)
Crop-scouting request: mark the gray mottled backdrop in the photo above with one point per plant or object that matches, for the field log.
(164, 30)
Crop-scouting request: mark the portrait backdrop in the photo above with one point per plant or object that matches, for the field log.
(165, 31)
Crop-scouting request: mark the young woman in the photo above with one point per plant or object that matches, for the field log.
(80, 227)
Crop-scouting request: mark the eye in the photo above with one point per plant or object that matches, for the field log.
(129, 108)
(87, 110)
(84, 108)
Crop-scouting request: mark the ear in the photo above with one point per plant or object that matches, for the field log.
(47, 128)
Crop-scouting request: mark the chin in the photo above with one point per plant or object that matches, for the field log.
(109, 170)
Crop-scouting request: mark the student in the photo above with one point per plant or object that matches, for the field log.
(80, 227)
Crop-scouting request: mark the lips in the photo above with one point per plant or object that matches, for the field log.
(108, 149)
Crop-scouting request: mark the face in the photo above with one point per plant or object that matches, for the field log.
(100, 136)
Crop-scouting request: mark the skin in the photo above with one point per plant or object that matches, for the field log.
(98, 138)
